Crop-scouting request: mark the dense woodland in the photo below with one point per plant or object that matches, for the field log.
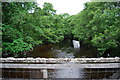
(25, 25)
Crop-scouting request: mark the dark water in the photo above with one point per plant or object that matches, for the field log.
(64, 49)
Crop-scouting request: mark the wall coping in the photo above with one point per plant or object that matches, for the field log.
(59, 60)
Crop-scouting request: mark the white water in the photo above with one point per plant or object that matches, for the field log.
(76, 44)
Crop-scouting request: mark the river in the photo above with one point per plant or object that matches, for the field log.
(63, 49)
(66, 49)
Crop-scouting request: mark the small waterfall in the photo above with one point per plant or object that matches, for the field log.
(76, 44)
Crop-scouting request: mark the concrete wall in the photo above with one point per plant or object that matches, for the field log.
(61, 60)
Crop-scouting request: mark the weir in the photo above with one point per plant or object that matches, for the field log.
(44, 64)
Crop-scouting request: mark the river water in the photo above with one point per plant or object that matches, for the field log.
(66, 49)
(61, 50)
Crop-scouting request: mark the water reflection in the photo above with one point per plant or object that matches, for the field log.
(64, 50)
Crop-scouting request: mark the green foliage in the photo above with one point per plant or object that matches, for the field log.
(98, 25)
(48, 9)
(26, 25)
(17, 46)
(23, 30)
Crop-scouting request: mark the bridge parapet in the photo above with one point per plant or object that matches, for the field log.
(45, 64)
(61, 60)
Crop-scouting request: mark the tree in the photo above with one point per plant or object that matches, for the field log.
(23, 30)
(98, 25)
(13, 38)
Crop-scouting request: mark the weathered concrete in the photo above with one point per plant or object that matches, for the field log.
(46, 63)
(60, 66)
(45, 73)
(60, 60)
